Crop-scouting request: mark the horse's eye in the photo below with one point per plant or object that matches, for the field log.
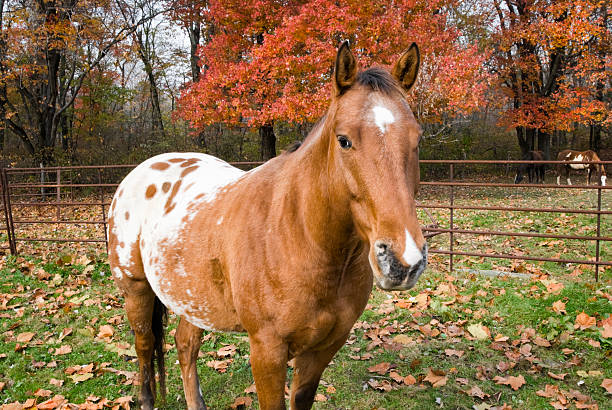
(344, 142)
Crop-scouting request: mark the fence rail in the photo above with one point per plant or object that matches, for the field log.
(53, 189)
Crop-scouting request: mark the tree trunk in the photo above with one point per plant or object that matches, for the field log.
(522, 141)
(268, 141)
(596, 140)
(544, 143)
(194, 40)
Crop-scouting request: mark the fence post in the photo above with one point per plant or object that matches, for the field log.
(452, 225)
(8, 212)
(58, 192)
(598, 233)
(103, 208)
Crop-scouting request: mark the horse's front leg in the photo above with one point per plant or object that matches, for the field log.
(308, 369)
(269, 355)
(188, 341)
(588, 176)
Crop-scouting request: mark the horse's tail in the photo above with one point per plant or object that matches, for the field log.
(158, 326)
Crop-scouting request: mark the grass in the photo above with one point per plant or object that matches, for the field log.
(66, 297)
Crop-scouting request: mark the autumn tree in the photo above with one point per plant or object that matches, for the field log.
(265, 69)
(48, 48)
(551, 61)
(194, 19)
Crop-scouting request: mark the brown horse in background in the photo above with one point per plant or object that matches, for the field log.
(537, 170)
(287, 251)
(580, 156)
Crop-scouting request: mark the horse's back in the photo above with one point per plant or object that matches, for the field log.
(153, 202)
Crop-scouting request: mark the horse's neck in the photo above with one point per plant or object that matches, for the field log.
(321, 206)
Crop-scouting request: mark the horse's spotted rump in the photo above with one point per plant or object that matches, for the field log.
(151, 190)
(160, 166)
(188, 170)
(189, 162)
(166, 187)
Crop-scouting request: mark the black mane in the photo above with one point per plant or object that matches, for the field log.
(378, 80)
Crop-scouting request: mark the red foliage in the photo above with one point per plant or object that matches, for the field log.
(272, 60)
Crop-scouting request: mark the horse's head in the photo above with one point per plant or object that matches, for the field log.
(373, 146)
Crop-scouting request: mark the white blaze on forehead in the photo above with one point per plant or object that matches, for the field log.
(382, 117)
(412, 254)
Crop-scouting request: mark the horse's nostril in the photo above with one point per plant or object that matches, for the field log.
(381, 247)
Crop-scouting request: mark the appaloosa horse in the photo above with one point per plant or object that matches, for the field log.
(287, 251)
(580, 156)
(537, 170)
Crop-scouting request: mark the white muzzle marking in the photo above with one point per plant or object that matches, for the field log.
(412, 254)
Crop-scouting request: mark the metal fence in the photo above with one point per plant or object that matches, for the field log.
(36, 202)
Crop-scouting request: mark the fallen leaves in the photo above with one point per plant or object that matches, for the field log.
(437, 378)
(479, 331)
(25, 337)
(453, 352)
(607, 384)
(606, 331)
(559, 308)
(62, 350)
(242, 402)
(381, 368)
(515, 382)
(584, 321)
(106, 332)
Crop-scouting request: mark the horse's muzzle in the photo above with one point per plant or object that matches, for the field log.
(395, 275)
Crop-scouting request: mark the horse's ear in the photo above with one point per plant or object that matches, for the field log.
(345, 71)
(407, 67)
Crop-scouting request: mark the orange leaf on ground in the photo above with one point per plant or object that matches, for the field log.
(106, 331)
(475, 391)
(51, 404)
(242, 401)
(29, 404)
(559, 307)
(559, 376)
(606, 324)
(607, 384)
(512, 381)
(409, 380)
(384, 385)
(380, 368)
(42, 393)
(540, 341)
(396, 377)
(553, 286)
(452, 352)
(250, 389)
(584, 321)
(25, 337)
(124, 402)
(65, 349)
(320, 397)
(226, 351)
(437, 378)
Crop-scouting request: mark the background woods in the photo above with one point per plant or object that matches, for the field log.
(84, 81)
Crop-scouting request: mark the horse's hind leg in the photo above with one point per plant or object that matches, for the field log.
(139, 304)
(308, 369)
(188, 340)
